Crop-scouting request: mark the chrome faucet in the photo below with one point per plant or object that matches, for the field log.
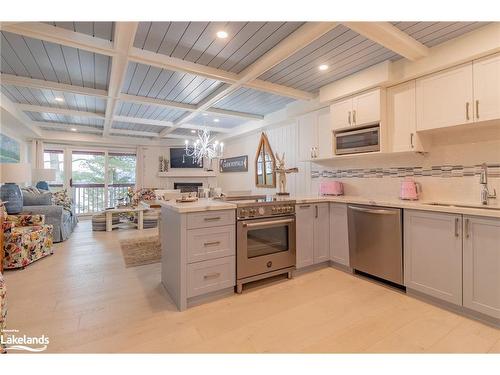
(483, 180)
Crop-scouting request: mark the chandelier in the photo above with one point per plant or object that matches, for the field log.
(204, 147)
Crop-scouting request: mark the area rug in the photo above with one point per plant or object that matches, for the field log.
(141, 251)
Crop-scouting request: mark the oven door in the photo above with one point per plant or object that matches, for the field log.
(356, 141)
(265, 245)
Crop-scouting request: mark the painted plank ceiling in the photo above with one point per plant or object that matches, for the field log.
(434, 33)
(139, 127)
(213, 120)
(28, 57)
(103, 30)
(253, 101)
(197, 41)
(148, 111)
(188, 133)
(151, 82)
(63, 119)
(68, 130)
(344, 50)
(45, 97)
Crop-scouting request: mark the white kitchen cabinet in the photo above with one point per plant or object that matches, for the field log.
(339, 235)
(445, 98)
(315, 135)
(312, 234)
(325, 134)
(481, 265)
(486, 88)
(321, 251)
(366, 108)
(357, 110)
(341, 114)
(433, 254)
(308, 135)
(402, 118)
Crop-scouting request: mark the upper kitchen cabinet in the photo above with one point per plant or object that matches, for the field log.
(481, 265)
(358, 110)
(486, 88)
(315, 135)
(445, 99)
(402, 118)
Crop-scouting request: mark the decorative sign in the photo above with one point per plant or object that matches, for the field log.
(236, 164)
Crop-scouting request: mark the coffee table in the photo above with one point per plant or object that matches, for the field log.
(109, 216)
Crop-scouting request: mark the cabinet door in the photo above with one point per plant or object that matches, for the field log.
(325, 135)
(366, 108)
(321, 232)
(487, 89)
(445, 99)
(482, 265)
(341, 114)
(402, 118)
(433, 254)
(305, 234)
(308, 135)
(339, 236)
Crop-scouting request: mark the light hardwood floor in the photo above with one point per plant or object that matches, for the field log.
(85, 300)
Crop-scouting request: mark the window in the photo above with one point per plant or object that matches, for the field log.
(54, 159)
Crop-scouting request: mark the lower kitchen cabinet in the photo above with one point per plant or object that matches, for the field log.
(433, 254)
(313, 238)
(339, 235)
(481, 265)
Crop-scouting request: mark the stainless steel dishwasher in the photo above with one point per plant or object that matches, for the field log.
(376, 241)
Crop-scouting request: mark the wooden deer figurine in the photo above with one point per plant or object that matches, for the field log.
(282, 172)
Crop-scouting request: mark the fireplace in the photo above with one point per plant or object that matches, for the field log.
(188, 187)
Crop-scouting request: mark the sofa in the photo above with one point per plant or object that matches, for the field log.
(3, 309)
(61, 216)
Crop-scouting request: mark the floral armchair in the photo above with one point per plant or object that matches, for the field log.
(26, 239)
(3, 309)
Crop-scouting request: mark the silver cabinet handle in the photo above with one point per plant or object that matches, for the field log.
(305, 206)
(212, 218)
(312, 155)
(212, 276)
(354, 117)
(270, 222)
(212, 243)
(466, 229)
(349, 118)
(316, 212)
(477, 108)
(374, 211)
(456, 227)
(411, 140)
(467, 111)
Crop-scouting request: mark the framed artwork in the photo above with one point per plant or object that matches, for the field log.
(10, 150)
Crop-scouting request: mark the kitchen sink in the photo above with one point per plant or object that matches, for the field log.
(463, 206)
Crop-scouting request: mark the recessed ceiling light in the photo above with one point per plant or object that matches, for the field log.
(58, 99)
(323, 67)
(73, 129)
(193, 131)
(222, 34)
(205, 114)
(216, 120)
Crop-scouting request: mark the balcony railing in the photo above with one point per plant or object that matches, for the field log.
(90, 198)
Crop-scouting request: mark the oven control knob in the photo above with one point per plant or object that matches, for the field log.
(273, 210)
(243, 212)
(261, 211)
(251, 211)
(269, 264)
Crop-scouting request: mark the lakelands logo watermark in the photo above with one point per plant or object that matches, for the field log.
(12, 340)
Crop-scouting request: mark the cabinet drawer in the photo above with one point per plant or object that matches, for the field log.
(210, 219)
(210, 243)
(210, 275)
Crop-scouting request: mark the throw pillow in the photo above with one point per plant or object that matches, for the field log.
(31, 198)
(61, 198)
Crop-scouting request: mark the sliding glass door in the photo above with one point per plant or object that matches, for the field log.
(100, 179)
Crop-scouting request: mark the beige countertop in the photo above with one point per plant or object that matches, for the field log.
(199, 206)
(477, 210)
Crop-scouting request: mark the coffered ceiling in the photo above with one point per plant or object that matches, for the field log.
(169, 79)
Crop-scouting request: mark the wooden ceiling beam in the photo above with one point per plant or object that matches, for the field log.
(389, 36)
(60, 111)
(166, 124)
(12, 108)
(69, 126)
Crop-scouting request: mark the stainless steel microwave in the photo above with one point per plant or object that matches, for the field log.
(358, 140)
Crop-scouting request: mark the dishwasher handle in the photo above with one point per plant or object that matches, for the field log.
(377, 211)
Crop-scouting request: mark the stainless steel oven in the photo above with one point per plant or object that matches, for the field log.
(265, 241)
(354, 141)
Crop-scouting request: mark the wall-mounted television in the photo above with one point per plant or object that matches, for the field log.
(179, 159)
